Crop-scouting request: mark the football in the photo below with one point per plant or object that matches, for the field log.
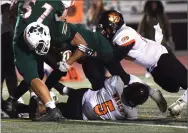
(68, 3)
(65, 55)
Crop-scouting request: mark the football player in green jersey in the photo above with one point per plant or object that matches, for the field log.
(41, 18)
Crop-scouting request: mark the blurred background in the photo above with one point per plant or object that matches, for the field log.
(133, 11)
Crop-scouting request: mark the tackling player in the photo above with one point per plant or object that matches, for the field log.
(165, 68)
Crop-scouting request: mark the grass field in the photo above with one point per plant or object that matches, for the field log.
(151, 120)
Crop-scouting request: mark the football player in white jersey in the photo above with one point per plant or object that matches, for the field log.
(115, 101)
(166, 69)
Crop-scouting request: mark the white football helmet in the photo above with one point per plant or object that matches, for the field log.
(38, 38)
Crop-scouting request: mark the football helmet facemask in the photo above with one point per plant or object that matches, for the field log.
(136, 94)
(110, 22)
(38, 38)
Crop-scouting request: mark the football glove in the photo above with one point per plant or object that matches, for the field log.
(63, 66)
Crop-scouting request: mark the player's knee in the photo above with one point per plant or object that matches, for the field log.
(172, 89)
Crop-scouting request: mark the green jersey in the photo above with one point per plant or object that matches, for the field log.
(61, 32)
(37, 10)
(31, 11)
(64, 32)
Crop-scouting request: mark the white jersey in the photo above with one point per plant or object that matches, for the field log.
(145, 52)
(108, 103)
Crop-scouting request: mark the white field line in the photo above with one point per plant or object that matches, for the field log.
(136, 124)
(113, 122)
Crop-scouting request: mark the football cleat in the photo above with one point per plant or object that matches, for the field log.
(50, 115)
(176, 108)
(159, 100)
(10, 108)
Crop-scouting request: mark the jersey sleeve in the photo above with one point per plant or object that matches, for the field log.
(131, 113)
(125, 39)
(104, 48)
(114, 83)
(62, 32)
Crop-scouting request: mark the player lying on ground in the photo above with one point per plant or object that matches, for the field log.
(115, 101)
(166, 69)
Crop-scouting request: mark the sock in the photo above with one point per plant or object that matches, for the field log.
(32, 94)
(151, 91)
(12, 98)
(65, 90)
(50, 104)
(184, 97)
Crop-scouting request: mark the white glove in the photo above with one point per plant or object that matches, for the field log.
(63, 66)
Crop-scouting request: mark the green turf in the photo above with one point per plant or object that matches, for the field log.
(14, 126)
(151, 120)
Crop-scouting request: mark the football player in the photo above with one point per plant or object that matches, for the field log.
(114, 101)
(35, 22)
(37, 37)
(166, 69)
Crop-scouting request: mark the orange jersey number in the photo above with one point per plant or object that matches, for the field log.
(102, 109)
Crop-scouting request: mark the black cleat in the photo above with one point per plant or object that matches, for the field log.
(50, 115)
(9, 108)
(33, 104)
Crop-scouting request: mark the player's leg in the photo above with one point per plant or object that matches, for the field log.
(154, 94)
(51, 59)
(115, 68)
(162, 74)
(28, 68)
(177, 107)
(180, 77)
(94, 71)
(170, 74)
(158, 98)
(11, 103)
(74, 104)
(10, 73)
(8, 67)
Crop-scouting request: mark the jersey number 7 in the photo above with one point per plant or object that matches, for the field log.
(28, 10)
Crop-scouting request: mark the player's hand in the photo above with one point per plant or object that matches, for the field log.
(13, 4)
(63, 66)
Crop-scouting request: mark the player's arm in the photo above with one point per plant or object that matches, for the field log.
(81, 51)
(76, 41)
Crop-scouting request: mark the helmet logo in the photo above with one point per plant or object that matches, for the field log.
(114, 17)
